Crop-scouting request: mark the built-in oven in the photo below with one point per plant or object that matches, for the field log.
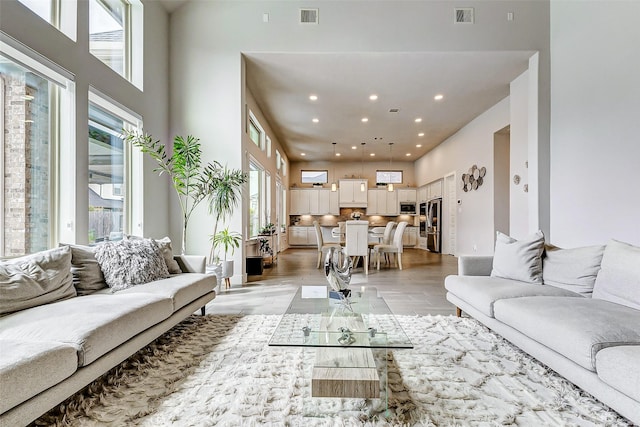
(407, 208)
(422, 218)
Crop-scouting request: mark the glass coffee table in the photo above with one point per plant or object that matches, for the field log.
(350, 341)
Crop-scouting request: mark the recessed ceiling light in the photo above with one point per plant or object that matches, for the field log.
(418, 120)
(421, 134)
(338, 154)
(408, 154)
(372, 154)
(353, 147)
(303, 154)
(418, 145)
(364, 120)
(315, 120)
(373, 97)
(313, 97)
(438, 97)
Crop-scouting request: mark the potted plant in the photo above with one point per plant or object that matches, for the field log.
(190, 180)
(228, 241)
(224, 193)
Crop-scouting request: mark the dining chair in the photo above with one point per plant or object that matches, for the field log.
(357, 242)
(395, 247)
(321, 245)
(387, 236)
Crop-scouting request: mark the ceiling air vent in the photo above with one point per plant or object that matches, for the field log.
(463, 15)
(394, 110)
(308, 16)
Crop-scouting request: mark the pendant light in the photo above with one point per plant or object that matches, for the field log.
(334, 186)
(390, 185)
(363, 187)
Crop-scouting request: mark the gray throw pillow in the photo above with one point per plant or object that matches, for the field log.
(127, 263)
(167, 252)
(573, 269)
(87, 276)
(519, 259)
(35, 279)
(619, 278)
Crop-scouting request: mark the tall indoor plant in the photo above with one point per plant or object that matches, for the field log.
(189, 178)
(224, 195)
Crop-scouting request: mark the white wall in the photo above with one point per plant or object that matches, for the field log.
(595, 122)
(519, 155)
(19, 22)
(471, 145)
(208, 38)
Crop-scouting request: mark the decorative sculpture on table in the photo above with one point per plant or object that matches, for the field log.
(337, 269)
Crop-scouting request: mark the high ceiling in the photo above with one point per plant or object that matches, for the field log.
(281, 83)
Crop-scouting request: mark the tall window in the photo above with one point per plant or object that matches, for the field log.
(111, 172)
(257, 197)
(110, 34)
(30, 98)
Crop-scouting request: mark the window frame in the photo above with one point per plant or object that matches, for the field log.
(390, 180)
(133, 212)
(61, 127)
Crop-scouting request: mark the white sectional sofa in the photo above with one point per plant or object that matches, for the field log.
(61, 339)
(582, 319)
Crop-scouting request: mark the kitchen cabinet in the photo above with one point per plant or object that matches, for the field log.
(410, 236)
(314, 201)
(435, 190)
(327, 203)
(382, 202)
(407, 195)
(421, 194)
(299, 202)
(302, 236)
(350, 194)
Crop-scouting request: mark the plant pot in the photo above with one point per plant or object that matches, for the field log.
(227, 269)
(215, 269)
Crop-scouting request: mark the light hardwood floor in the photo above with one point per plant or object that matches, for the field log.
(417, 289)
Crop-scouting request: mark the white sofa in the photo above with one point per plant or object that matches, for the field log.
(582, 321)
(50, 351)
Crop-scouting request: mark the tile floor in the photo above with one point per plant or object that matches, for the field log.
(417, 289)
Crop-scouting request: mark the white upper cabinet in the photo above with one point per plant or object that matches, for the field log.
(407, 195)
(382, 202)
(435, 190)
(351, 195)
(314, 201)
(422, 193)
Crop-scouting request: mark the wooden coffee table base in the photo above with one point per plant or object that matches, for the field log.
(359, 381)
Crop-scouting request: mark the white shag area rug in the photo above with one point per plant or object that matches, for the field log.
(219, 371)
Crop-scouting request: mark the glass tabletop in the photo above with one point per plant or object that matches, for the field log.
(319, 318)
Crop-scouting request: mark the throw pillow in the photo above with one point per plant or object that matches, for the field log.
(127, 263)
(87, 276)
(36, 279)
(519, 259)
(572, 269)
(166, 250)
(619, 278)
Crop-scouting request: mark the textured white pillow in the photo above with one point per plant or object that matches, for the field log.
(127, 263)
(519, 259)
(573, 269)
(619, 278)
(167, 252)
